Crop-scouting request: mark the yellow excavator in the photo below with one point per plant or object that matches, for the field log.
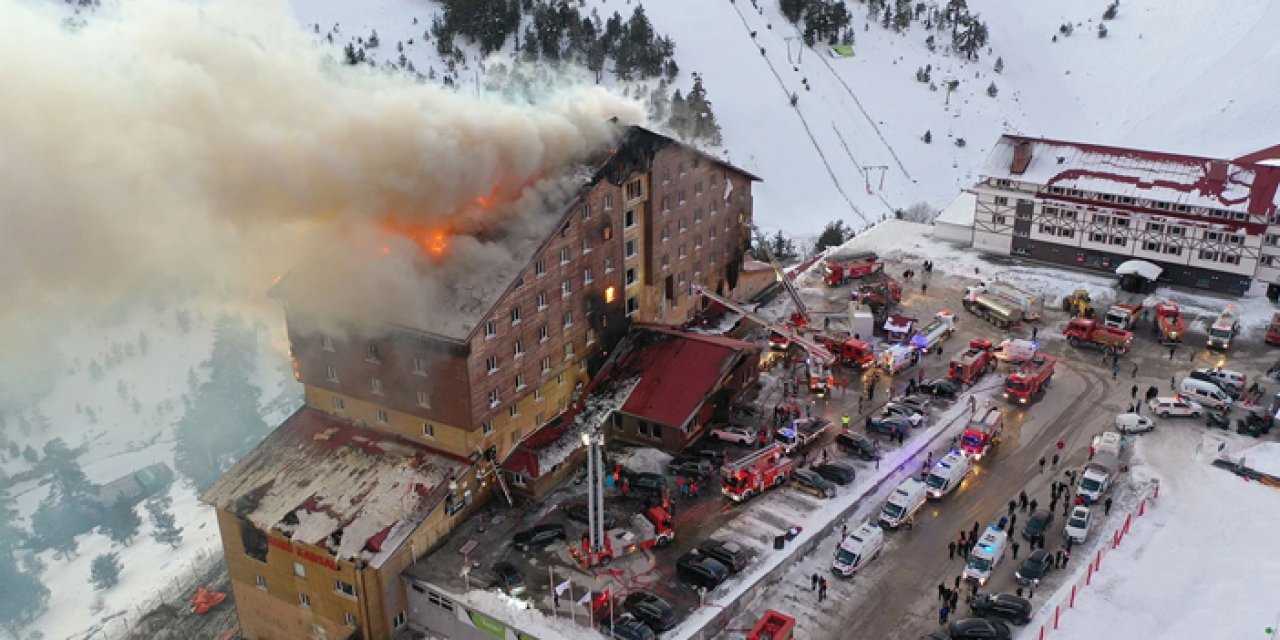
(1078, 304)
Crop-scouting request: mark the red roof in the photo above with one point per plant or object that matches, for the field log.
(678, 371)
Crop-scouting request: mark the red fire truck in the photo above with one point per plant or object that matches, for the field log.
(840, 268)
(1273, 329)
(851, 352)
(756, 472)
(1030, 380)
(975, 362)
(982, 433)
(1081, 332)
(1169, 324)
(653, 528)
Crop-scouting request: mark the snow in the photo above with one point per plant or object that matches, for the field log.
(1196, 564)
(1140, 267)
(644, 459)
(960, 211)
(598, 408)
(1263, 458)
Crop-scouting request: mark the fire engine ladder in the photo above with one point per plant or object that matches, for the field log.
(489, 467)
(818, 351)
(782, 276)
(752, 458)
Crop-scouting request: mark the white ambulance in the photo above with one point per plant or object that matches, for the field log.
(986, 555)
(858, 549)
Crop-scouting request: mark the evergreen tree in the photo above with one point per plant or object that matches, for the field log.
(106, 571)
(120, 522)
(679, 121)
(833, 235)
(928, 136)
(1110, 13)
(24, 595)
(62, 472)
(703, 124)
(992, 90)
(902, 15)
(999, 65)
(1102, 30)
(164, 527)
(793, 10)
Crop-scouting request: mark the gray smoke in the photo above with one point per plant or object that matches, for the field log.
(213, 146)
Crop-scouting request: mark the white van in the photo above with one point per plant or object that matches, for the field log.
(903, 503)
(1233, 382)
(1134, 423)
(986, 555)
(858, 549)
(947, 474)
(1206, 393)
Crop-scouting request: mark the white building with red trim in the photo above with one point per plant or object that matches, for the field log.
(1209, 223)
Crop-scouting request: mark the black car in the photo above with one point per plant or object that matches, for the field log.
(701, 570)
(716, 456)
(840, 474)
(890, 425)
(646, 483)
(1217, 420)
(979, 629)
(1033, 568)
(508, 578)
(1004, 606)
(858, 445)
(729, 554)
(690, 466)
(539, 536)
(917, 401)
(810, 482)
(1038, 523)
(626, 627)
(1254, 425)
(579, 512)
(650, 609)
(942, 388)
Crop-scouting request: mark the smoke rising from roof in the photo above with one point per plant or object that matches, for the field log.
(214, 145)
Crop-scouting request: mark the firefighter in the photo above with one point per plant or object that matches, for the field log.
(844, 421)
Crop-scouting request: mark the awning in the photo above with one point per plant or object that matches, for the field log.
(1140, 268)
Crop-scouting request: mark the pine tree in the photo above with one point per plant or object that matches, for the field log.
(702, 119)
(902, 15)
(679, 121)
(999, 65)
(1102, 30)
(120, 522)
(1110, 13)
(164, 527)
(106, 571)
(833, 235)
(24, 596)
(992, 90)
(928, 136)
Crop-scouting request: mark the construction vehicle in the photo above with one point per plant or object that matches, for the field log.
(773, 626)
(898, 357)
(841, 268)
(1123, 316)
(983, 432)
(1273, 330)
(756, 472)
(653, 528)
(1224, 329)
(1030, 306)
(205, 600)
(1170, 328)
(1081, 332)
(993, 309)
(931, 335)
(973, 363)
(1030, 380)
(1079, 304)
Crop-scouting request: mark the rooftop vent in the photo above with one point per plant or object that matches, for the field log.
(1021, 157)
(1217, 172)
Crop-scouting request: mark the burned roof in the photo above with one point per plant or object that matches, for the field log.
(323, 481)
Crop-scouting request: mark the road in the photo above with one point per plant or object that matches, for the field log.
(896, 596)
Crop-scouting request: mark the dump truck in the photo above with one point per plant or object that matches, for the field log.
(931, 335)
(1030, 380)
(1123, 316)
(993, 309)
(1273, 329)
(1170, 328)
(982, 433)
(1079, 303)
(653, 528)
(756, 472)
(1081, 332)
(973, 363)
(1030, 306)
(841, 268)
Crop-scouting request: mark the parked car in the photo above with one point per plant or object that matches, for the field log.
(579, 512)
(979, 629)
(1077, 528)
(646, 483)
(903, 411)
(690, 466)
(701, 570)
(651, 609)
(1033, 568)
(1232, 382)
(840, 474)
(889, 425)
(712, 454)
(730, 554)
(1003, 606)
(1254, 425)
(858, 445)
(810, 482)
(1129, 423)
(1175, 406)
(625, 627)
(539, 536)
(942, 388)
(1217, 420)
(508, 578)
(733, 433)
(918, 401)
(1038, 523)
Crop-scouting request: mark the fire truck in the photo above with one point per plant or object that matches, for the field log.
(757, 471)
(1123, 316)
(1082, 332)
(1025, 384)
(840, 268)
(850, 352)
(880, 293)
(1170, 328)
(653, 528)
(817, 378)
(973, 363)
(982, 433)
(1273, 329)
(932, 335)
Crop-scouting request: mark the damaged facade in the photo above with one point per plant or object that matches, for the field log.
(401, 434)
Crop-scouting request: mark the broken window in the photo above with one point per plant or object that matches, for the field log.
(254, 541)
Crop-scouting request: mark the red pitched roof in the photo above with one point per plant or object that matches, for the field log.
(679, 370)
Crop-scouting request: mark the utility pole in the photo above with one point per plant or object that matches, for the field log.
(865, 173)
(799, 50)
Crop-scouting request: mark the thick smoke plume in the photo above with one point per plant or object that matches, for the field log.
(215, 145)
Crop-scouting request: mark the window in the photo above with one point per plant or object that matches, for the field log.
(629, 219)
(1150, 246)
(634, 189)
(606, 232)
(543, 334)
(684, 251)
(591, 336)
(1001, 200)
(540, 268)
(326, 343)
(1211, 235)
(713, 180)
(1173, 250)
(586, 276)
(631, 276)
(560, 378)
(331, 374)
(1121, 222)
(608, 264)
(515, 437)
(1207, 254)
(372, 353)
(1097, 237)
(494, 398)
(304, 600)
(382, 416)
(515, 315)
(1155, 227)
(1102, 219)
(350, 618)
(542, 300)
(420, 366)
(697, 242)
(697, 188)
(400, 617)
(1230, 258)
(345, 588)
(711, 234)
(1178, 231)
(261, 582)
(697, 216)
(490, 329)
(519, 347)
(1235, 239)
(1000, 219)
(491, 364)
(610, 294)
(487, 428)
(1119, 241)
(429, 430)
(682, 168)
(546, 366)
(518, 480)
(666, 261)
(567, 319)
(666, 204)
(666, 232)
(564, 255)
(513, 411)
(633, 305)
(681, 226)
(1273, 240)
(565, 289)
(586, 211)
(608, 202)
(568, 350)
(631, 249)
(680, 196)
(666, 176)
(586, 244)
(299, 570)
(375, 386)
(339, 404)
(1004, 183)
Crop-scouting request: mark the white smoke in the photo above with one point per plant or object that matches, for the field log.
(214, 145)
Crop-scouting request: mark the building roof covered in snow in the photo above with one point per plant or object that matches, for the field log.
(1145, 177)
(961, 210)
(326, 482)
(678, 371)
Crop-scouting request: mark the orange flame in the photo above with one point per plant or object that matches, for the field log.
(432, 241)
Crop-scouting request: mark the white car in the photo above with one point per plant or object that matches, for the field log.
(729, 433)
(1077, 528)
(1175, 406)
(905, 411)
